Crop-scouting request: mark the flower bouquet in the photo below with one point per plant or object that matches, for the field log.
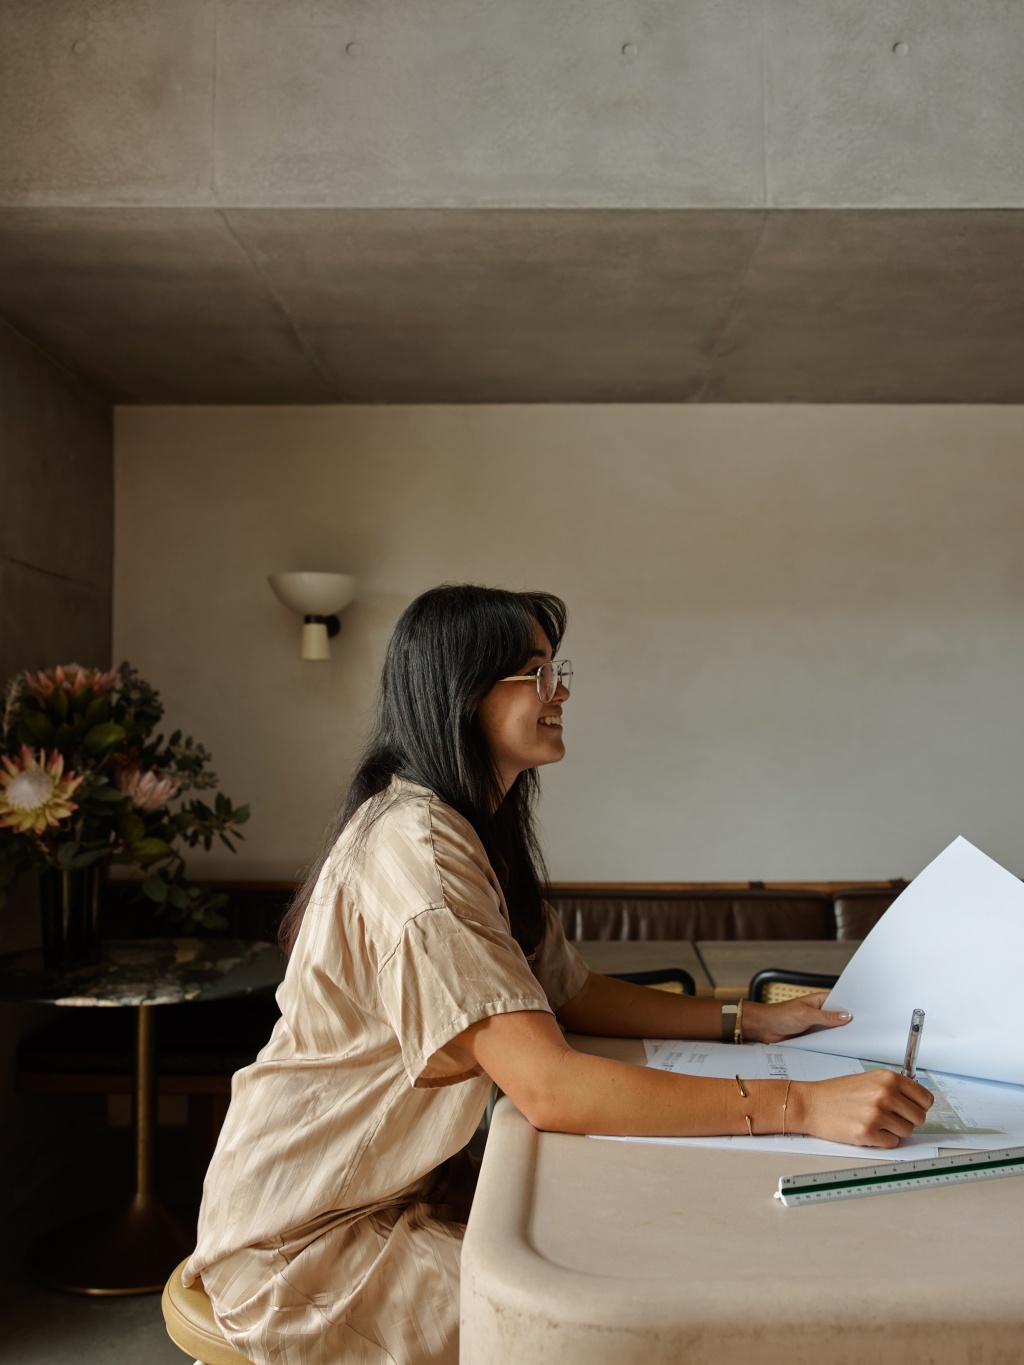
(85, 783)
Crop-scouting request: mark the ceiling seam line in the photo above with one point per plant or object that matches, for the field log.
(53, 573)
(719, 345)
(300, 341)
(104, 395)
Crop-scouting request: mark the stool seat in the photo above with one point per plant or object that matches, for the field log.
(188, 1315)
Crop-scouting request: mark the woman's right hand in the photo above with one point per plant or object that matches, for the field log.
(873, 1109)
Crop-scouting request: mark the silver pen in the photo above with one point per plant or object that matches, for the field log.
(913, 1042)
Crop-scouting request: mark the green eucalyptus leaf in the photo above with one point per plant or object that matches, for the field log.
(178, 898)
(241, 814)
(57, 703)
(88, 858)
(217, 902)
(37, 727)
(104, 736)
(132, 828)
(97, 711)
(67, 853)
(107, 793)
(155, 888)
(148, 851)
(211, 920)
(65, 737)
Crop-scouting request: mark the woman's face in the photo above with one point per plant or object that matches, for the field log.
(521, 730)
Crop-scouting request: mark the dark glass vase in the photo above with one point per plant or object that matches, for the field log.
(70, 904)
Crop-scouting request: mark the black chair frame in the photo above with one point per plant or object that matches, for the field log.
(814, 980)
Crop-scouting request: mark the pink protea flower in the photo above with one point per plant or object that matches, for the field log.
(71, 677)
(35, 794)
(148, 790)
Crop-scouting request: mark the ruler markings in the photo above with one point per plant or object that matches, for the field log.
(814, 1187)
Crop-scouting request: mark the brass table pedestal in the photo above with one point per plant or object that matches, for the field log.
(130, 1250)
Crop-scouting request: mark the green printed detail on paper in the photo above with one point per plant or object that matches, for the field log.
(942, 1117)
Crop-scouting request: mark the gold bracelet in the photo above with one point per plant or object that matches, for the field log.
(746, 1096)
(728, 1023)
(785, 1106)
(737, 1033)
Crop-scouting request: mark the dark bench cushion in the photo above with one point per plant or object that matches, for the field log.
(857, 912)
(703, 914)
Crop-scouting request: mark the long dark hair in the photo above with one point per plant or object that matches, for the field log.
(449, 648)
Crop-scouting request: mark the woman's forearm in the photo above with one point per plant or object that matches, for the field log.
(598, 1095)
(620, 1009)
(560, 1089)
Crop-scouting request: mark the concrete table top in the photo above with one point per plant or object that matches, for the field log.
(730, 965)
(583, 1252)
(608, 956)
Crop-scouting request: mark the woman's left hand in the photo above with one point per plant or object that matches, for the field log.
(773, 1023)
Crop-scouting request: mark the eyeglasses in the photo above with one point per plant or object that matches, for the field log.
(549, 677)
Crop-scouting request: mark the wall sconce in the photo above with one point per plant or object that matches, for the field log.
(318, 598)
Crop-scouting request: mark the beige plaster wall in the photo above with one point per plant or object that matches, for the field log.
(797, 631)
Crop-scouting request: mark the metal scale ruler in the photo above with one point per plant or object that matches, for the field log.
(856, 1181)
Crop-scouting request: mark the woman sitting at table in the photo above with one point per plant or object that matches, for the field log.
(424, 964)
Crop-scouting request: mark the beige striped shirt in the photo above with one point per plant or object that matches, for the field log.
(320, 1236)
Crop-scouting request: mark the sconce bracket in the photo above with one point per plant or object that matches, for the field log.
(333, 624)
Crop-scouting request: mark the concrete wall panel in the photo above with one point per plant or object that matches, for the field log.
(918, 103)
(108, 103)
(56, 564)
(56, 506)
(453, 102)
(421, 103)
(48, 619)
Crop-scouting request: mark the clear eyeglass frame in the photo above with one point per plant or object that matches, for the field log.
(548, 677)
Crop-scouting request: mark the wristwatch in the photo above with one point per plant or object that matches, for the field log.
(729, 1022)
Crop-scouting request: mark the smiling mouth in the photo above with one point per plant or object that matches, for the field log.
(554, 721)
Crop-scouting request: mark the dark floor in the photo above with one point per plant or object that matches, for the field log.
(40, 1326)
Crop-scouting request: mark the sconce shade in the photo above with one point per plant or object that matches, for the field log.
(314, 594)
(317, 597)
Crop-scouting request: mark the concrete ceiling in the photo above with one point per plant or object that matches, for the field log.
(172, 305)
(476, 201)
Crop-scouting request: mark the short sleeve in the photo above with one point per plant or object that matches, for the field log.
(445, 973)
(557, 965)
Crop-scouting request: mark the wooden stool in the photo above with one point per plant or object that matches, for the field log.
(188, 1315)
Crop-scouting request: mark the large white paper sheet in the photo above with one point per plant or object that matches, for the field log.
(951, 944)
(913, 1149)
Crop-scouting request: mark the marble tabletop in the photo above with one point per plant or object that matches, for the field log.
(165, 971)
